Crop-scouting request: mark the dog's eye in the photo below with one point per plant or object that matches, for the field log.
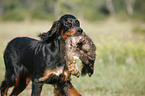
(68, 23)
(77, 22)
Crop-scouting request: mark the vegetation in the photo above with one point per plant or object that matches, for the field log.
(139, 29)
(19, 10)
(120, 63)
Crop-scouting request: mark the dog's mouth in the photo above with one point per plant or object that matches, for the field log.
(73, 32)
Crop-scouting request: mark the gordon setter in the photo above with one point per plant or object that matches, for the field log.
(42, 61)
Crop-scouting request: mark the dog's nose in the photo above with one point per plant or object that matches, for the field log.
(80, 30)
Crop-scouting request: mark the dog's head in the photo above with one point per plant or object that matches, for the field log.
(70, 26)
(67, 25)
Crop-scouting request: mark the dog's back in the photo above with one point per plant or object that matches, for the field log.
(26, 59)
(13, 54)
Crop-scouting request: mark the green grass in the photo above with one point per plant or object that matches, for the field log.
(120, 62)
(139, 29)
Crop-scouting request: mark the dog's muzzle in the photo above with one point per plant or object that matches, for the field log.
(79, 30)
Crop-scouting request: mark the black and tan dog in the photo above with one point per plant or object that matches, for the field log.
(42, 61)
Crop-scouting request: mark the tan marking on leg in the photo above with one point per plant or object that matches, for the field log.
(69, 33)
(16, 82)
(5, 92)
(49, 72)
(20, 84)
(56, 92)
(46, 75)
(28, 80)
(74, 92)
(71, 91)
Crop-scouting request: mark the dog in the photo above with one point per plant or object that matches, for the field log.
(42, 61)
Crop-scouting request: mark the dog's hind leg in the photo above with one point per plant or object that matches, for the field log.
(6, 84)
(10, 71)
(20, 84)
(4, 88)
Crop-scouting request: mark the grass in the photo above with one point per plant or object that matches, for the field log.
(120, 63)
(139, 29)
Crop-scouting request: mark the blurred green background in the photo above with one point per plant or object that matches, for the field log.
(93, 10)
(117, 28)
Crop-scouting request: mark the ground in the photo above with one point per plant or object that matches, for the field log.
(120, 62)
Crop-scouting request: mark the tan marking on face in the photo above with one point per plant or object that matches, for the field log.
(69, 33)
(69, 21)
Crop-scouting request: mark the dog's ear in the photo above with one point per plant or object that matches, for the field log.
(52, 32)
(43, 36)
(54, 29)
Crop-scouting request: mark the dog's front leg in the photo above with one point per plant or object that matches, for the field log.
(36, 88)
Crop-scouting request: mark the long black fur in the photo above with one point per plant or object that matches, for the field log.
(25, 56)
